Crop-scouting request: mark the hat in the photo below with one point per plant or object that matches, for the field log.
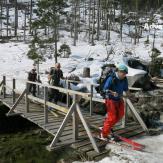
(122, 67)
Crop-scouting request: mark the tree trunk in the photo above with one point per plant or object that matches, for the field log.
(98, 19)
(121, 20)
(75, 21)
(30, 19)
(93, 25)
(1, 17)
(7, 17)
(90, 5)
(25, 14)
(16, 17)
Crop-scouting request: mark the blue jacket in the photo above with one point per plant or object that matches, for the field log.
(115, 85)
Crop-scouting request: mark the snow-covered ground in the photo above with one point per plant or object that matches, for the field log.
(14, 63)
(153, 154)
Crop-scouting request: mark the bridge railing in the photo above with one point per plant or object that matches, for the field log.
(64, 109)
(71, 108)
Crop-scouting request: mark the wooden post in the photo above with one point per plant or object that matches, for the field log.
(26, 98)
(38, 77)
(91, 102)
(75, 121)
(86, 72)
(92, 139)
(4, 88)
(137, 116)
(45, 106)
(68, 97)
(13, 91)
(125, 115)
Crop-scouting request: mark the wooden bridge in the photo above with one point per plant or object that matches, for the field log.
(69, 123)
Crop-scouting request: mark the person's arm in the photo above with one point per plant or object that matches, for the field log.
(29, 76)
(50, 75)
(128, 94)
(62, 77)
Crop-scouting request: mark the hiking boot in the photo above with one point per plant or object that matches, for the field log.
(100, 136)
(111, 136)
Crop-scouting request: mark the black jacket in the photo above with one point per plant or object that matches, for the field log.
(32, 76)
(56, 75)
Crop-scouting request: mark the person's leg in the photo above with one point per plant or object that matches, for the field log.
(34, 90)
(56, 96)
(50, 97)
(121, 110)
(30, 88)
(110, 119)
(51, 94)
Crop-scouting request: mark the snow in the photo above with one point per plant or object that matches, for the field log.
(153, 152)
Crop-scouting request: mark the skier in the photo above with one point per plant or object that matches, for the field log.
(54, 80)
(114, 87)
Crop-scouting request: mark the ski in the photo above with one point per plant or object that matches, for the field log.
(128, 142)
(134, 144)
(126, 146)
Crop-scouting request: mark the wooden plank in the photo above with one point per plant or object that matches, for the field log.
(101, 145)
(68, 132)
(126, 130)
(75, 123)
(57, 107)
(102, 155)
(52, 123)
(87, 128)
(137, 116)
(9, 106)
(68, 127)
(133, 133)
(80, 144)
(57, 125)
(55, 140)
(39, 120)
(63, 90)
(93, 155)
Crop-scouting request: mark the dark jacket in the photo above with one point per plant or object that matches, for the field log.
(56, 75)
(32, 76)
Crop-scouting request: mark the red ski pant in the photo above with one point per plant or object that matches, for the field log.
(115, 112)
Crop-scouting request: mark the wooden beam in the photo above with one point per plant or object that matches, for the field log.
(26, 98)
(137, 116)
(87, 129)
(57, 107)
(135, 89)
(45, 106)
(4, 88)
(63, 90)
(16, 103)
(61, 128)
(13, 92)
(91, 101)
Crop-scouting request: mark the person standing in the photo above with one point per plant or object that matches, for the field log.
(32, 76)
(114, 87)
(54, 80)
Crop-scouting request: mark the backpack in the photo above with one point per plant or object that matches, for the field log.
(55, 77)
(105, 75)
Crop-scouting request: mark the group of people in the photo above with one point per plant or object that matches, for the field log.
(114, 87)
(54, 77)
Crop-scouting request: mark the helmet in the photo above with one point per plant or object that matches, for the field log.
(122, 67)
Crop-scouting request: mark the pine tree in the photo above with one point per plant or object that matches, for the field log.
(48, 13)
